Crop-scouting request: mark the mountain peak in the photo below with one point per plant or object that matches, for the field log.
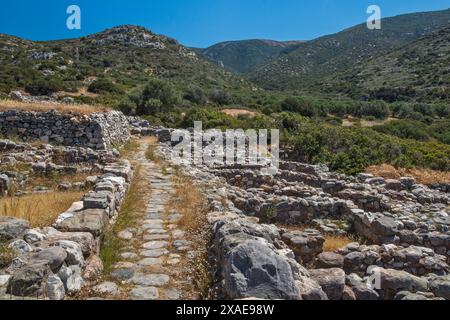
(132, 35)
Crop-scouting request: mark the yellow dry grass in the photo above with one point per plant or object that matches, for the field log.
(351, 121)
(424, 176)
(238, 112)
(39, 209)
(332, 242)
(189, 201)
(6, 105)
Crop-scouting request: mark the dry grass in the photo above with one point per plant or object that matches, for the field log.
(424, 176)
(332, 242)
(239, 112)
(6, 105)
(52, 181)
(150, 153)
(189, 201)
(40, 210)
(6, 255)
(351, 121)
(128, 149)
(132, 209)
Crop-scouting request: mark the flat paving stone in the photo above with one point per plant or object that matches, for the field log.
(155, 245)
(129, 255)
(172, 294)
(156, 253)
(144, 293)
(152, 237)
(156, 231)
(150, 280)
(109, 288)
(122, 274)
(150, 262)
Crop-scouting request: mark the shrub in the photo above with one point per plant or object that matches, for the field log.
(220, 97)
(195, 95)
(42, 87)
(299, 105)
(104, 86)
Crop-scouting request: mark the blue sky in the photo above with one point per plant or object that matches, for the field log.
(201, 22)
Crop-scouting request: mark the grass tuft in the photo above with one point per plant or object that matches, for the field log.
(40, 209)
(333, 242)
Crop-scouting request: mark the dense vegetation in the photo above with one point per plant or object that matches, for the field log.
(358, 115)
(246, 55)
(314, 65)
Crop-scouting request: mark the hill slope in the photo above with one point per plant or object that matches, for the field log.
(314, 61)
(127, 55)
(417, 70)
(246, 55)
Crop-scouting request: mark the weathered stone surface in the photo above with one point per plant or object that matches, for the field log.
(150, 280)
(328, 260)
(307, 244)
(93, 269)
(144, 293)
(54, 257)
(440, 286)
(90, 220)
(20, 246)
(98, 130)
(331, 280)
(55, 288)
(251, 269)
(74, 253)
(107, 288)
(30, 280)
(12, 228)
(394, 281)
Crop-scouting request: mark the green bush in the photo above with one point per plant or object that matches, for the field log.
(43, 87)
(103, 85)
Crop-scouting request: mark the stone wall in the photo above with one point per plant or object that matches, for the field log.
(53, 262)
(97, 131)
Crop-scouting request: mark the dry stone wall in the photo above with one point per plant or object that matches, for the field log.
(97, 131)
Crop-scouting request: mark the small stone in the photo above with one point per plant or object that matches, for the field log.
(155, 245)
(122, 274)
(150, 262)
(94, 268)
(55, 288)
(144, 293)
(20, 246)
(4, 280)
(125, 235)
(153, 280)
(107, 288)
(129, 255)
(156, 253)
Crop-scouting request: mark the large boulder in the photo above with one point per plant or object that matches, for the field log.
(12, 228)
(54, 257)
(30, 280)
(393, 281)
(331, 280)
(89, 220)
(440, 286)
(327, 260)
(252, 269)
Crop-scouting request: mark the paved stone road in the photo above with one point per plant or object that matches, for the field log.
(148, 267)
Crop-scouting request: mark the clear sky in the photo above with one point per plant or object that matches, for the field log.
(201, 23)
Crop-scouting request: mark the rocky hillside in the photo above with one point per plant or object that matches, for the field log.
(247, 55)
(125, 55)
(314, 61)
(420, 69)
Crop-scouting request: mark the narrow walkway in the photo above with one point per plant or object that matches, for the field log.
(156, 246)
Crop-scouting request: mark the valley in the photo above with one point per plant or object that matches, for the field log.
(95, 203)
